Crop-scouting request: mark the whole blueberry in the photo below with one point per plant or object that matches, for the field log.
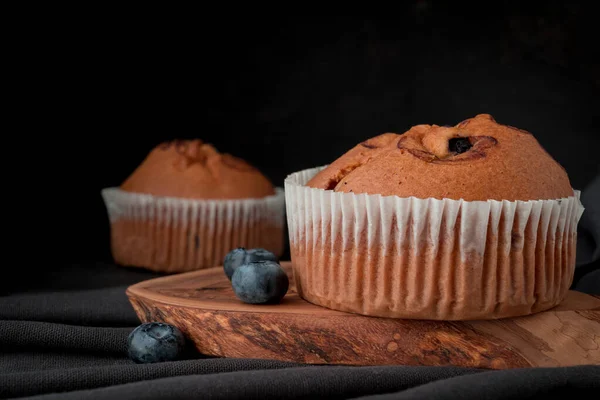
(239, 256)
(155, 342)
(260, 282)
(233, 259)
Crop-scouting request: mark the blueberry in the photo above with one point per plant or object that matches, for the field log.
(233, 260)
(155, 342)
(459, 145)
(260, 282)
(239, 256)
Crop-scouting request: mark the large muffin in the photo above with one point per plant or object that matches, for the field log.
(474, 221)
(186, 205)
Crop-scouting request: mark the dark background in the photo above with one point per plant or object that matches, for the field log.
(288, 93)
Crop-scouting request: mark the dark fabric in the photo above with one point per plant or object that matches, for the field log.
(587, 273)
(94, 307)
(541, 383)
(71, 343)
(589, 226)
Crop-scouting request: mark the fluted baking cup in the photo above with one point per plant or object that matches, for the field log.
(167, 234)
(435, 259)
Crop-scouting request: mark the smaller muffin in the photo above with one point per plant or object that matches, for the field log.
(187, 205)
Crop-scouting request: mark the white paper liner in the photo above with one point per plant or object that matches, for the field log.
(169, 234)
(427, 258)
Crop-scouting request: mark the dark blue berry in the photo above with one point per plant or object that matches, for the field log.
(261, 282)
(233, 260)
(239, 256)
(459, 145)
(155, 342)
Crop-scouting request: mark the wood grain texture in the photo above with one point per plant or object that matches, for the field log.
(203, 305)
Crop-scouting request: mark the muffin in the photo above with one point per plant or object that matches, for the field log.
(474, 221)
(187, 205)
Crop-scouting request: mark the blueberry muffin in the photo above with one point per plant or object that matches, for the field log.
(186, 205)
(472, 221)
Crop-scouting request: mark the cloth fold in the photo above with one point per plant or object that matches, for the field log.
(95, 307)
(89, 378)
(314, 382)
(30, 335)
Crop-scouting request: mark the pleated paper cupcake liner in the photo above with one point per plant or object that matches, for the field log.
(428, 258)
(170, 235)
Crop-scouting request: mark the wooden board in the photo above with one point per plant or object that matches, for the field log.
(203, 305)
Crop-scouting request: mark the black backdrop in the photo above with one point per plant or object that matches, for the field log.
(288, 93)
(94, 90)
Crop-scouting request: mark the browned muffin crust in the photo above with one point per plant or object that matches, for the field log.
(477, 159)
(194, 169)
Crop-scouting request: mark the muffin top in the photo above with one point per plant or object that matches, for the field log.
(194, 169)
(477, 159)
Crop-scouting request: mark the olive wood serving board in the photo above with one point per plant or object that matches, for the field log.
(203, 305)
